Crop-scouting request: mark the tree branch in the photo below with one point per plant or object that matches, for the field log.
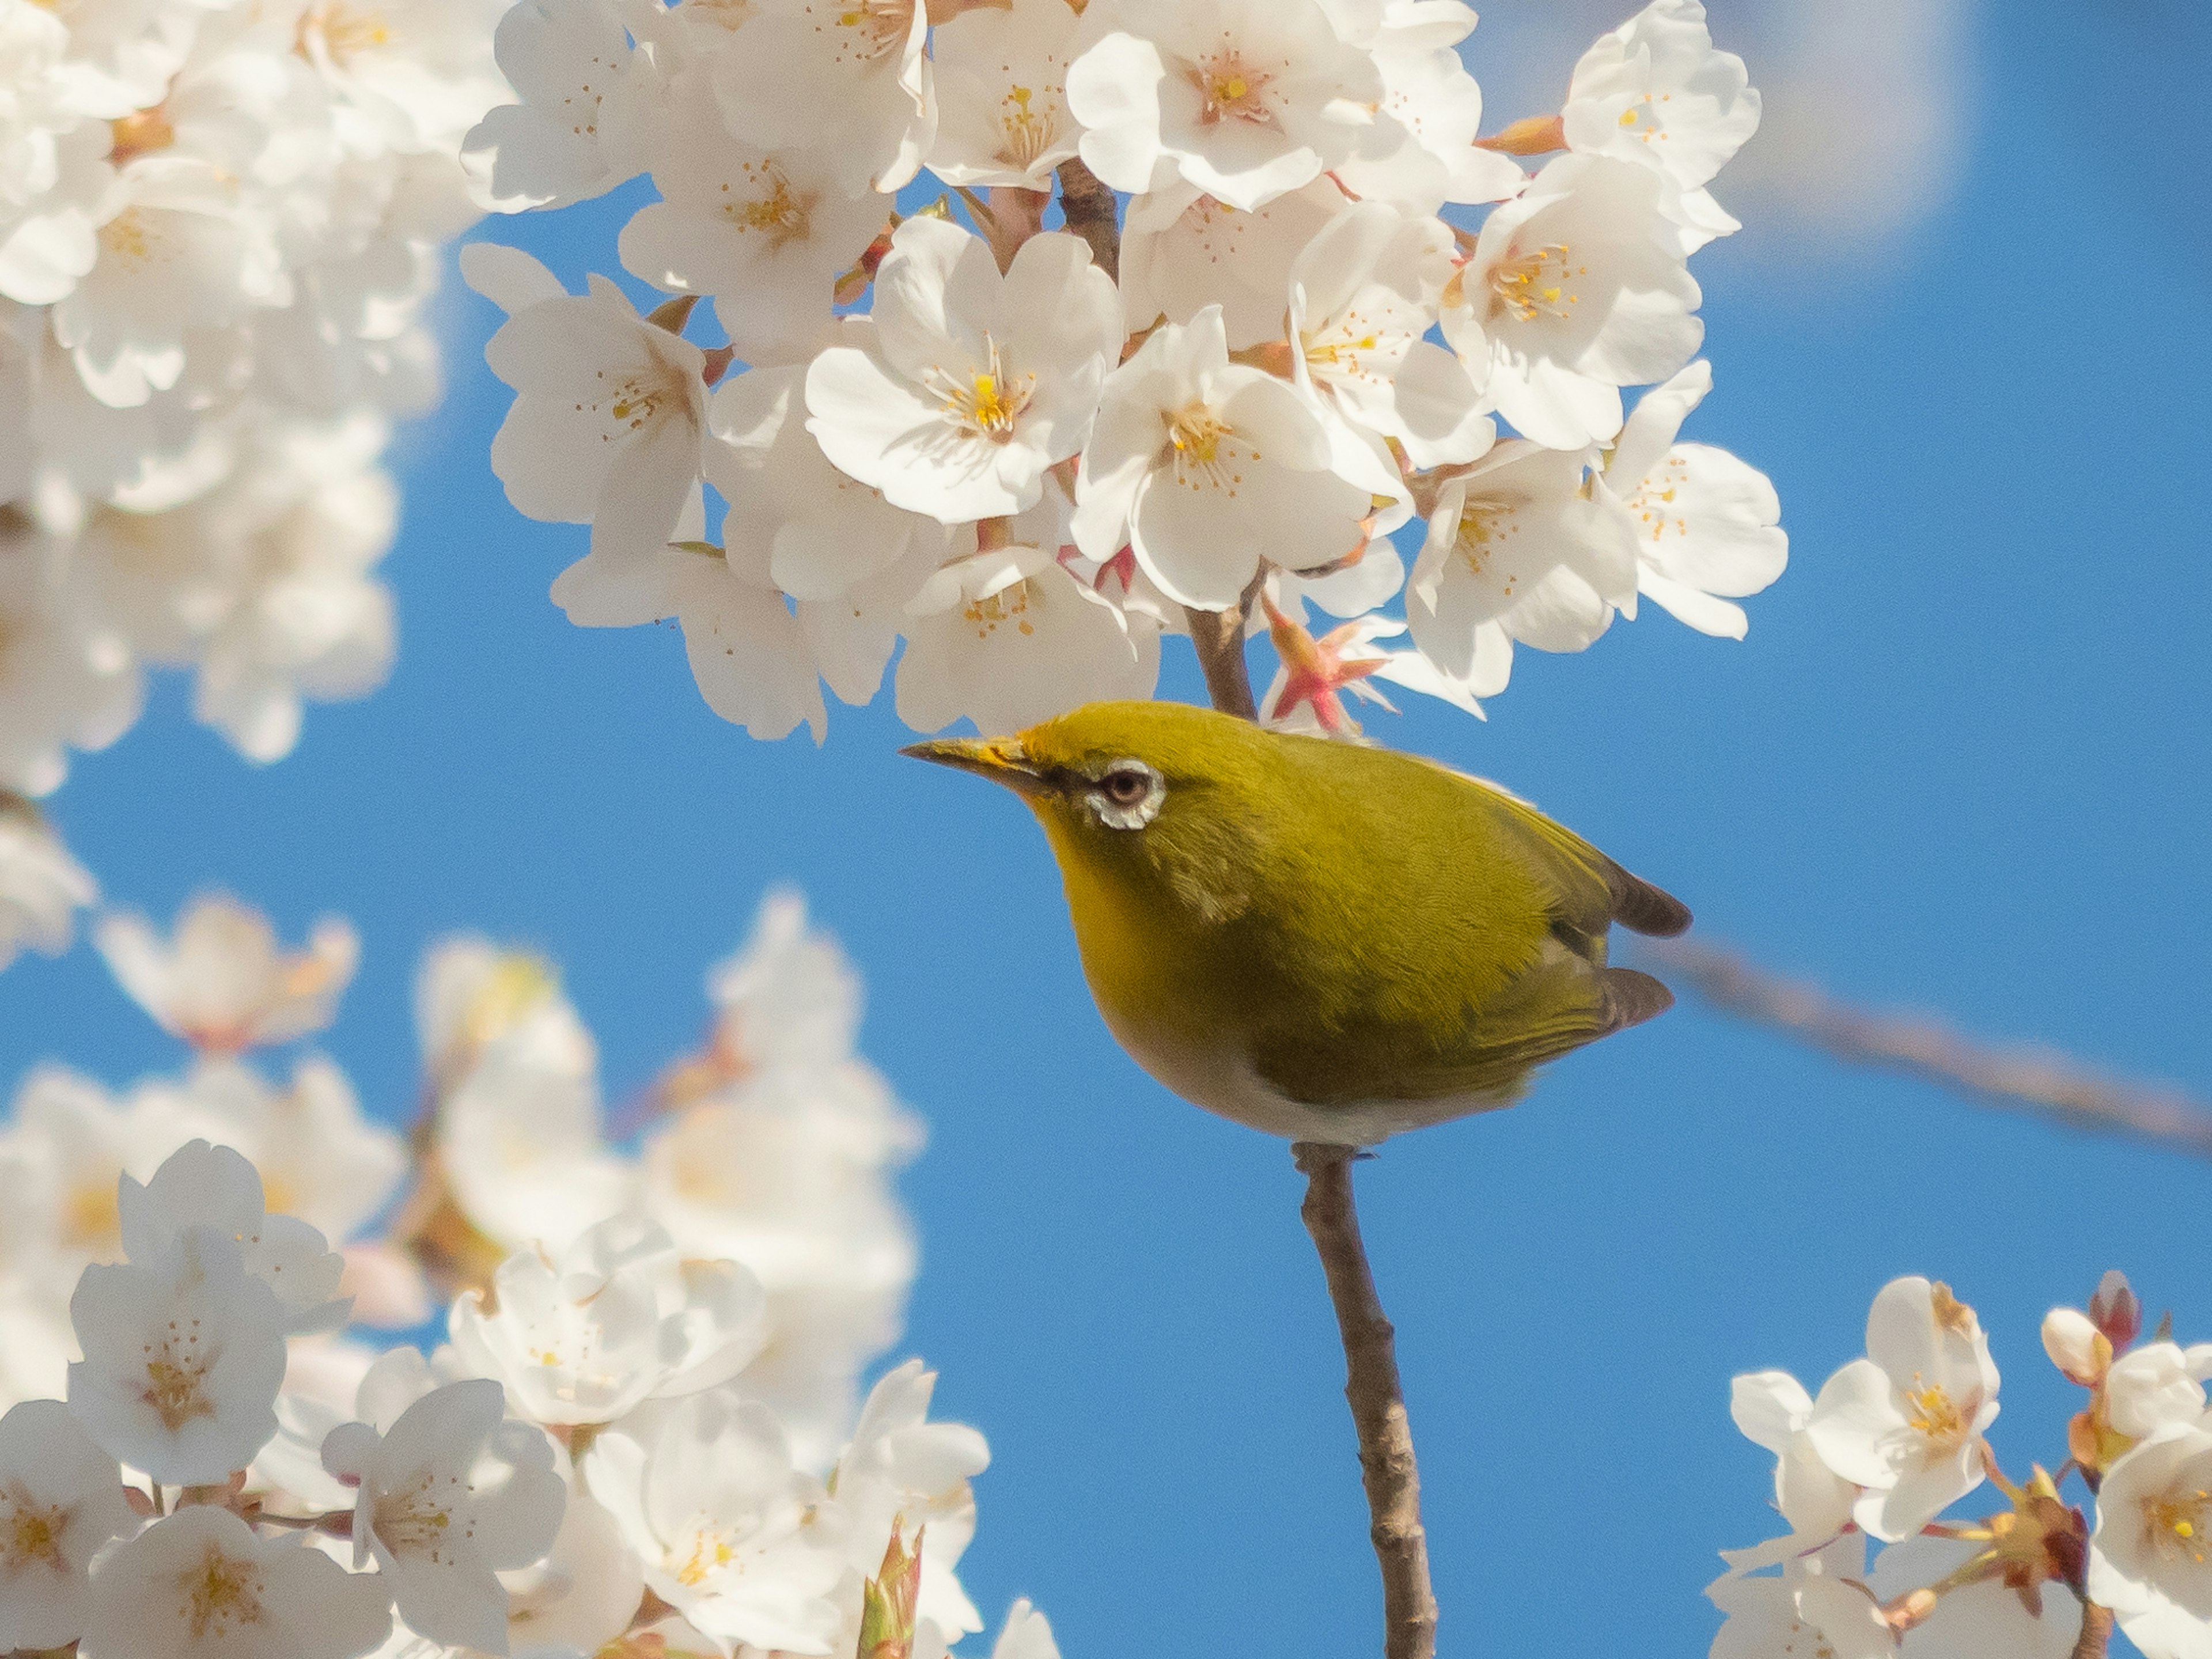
(1219, 637)
(1087, 207)
(2045, 1082)
(2096, 1632)
(1387, 1467)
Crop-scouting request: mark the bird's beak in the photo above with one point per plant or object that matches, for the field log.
(999, 759)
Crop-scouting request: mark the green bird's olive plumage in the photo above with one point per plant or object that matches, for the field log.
(1326, 940)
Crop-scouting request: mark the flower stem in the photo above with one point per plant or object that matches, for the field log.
(2096, 1632)
(1387, 1466)
(1219, 637)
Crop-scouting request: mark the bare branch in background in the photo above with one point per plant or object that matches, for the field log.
(2041, 1079)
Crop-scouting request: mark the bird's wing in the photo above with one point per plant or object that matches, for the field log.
(1594, 892)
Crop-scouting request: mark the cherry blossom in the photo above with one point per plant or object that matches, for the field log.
(41, 887)
(1001, 79)
(1183, 251)
(1988, 1620)
(1420, 150)
(1244, 98)
(202, 1186)
(450, 1495)
(222, 983)
(201, 1585)
(1576, 288)
(61, 1499)
(970, 385)
(848, 74)
(1707, 526)
(2147, 1559)
(1905, 1422)
(578, 131)
(1204, 467)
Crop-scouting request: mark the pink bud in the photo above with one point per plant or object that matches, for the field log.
(2116, 1310)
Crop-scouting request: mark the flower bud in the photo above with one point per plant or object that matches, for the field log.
(2116, 1310)
(2077, 1347)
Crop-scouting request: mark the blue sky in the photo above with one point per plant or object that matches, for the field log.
(1959, 763)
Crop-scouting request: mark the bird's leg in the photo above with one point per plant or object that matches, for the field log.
(1387, 1466)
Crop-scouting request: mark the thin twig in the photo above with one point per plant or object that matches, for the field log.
(1088, 206)
(1219, 637)
(1387, 1467)
(2096, 1632)
(2040, 1079)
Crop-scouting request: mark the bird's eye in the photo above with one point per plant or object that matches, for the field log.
(1126, 785)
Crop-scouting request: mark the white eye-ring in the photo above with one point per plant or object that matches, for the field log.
(1127, 795)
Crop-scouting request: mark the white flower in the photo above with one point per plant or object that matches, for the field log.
(1244, 99)
(1183, 251)
(450, 1495)
(183, 1357)
(1655, 92)
(41, 888)
(64, 677)
(971, 384)
(2148, 1559)
(619, 1320)
(904, 1472)
(1205, 467)
(606, 423)
(1706, 525)
(179, 249)
(474, 1003)
(1420, 150)
(731, 1536)
(1362, 295)
(222, 983)
(1027, 1634)
(1906, 1421)
(583, 1595)
(818, 532)
(318, 1158)
(766, 232)
(1772, 1409)
(1986, 1620)
(200, 1186)
(2077, 1347)
(61, 1499)
(1802, 1612)
(748, 654)
(1520, 547)
(200, 1585)
(1001, 75)
(1576, 288)
(2158, 1383)
(586, 96)
(1009, 637)
(848, 74)
(422, 73)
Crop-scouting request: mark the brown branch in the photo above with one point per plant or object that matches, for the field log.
(1387, 1467)
(1219, 637)
(2048, 1083)
(1087, 207)
(2096, 1632)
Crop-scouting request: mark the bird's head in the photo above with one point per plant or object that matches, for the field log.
(1126, 784)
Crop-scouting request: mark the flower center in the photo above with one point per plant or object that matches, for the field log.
(412, 1522)
(1644, 120)
(710, 1552)
(1029, 132)
(1936, 1416)
(2175, 1521)
(1655, 497)
(1532, 285)
(90, 1220)
(128, 236)
(1486, 524)
(987, 403)
(340, 31)
(879, 28)
(139, 133)
(634, 399)
(1229, 89)
(173, 1388)
(1339, 348)
(1009, 604)
(30, 1531)
(779, 213)
(220, 1594)
(1205, 449)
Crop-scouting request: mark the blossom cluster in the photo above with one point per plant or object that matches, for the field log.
(1031, 453)
(1893, 1439)
(642, 1434)
(219, 225)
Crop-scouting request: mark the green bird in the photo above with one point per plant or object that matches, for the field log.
(1323, 940)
